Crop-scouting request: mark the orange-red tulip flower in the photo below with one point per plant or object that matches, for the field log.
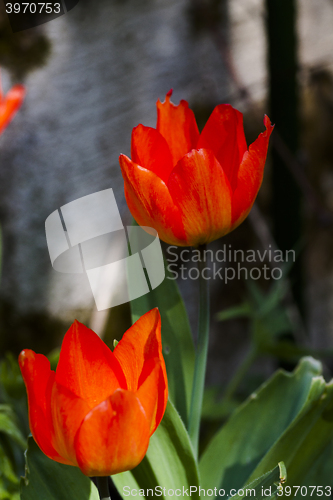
(9, 104)
(193, 188)
(99, 409)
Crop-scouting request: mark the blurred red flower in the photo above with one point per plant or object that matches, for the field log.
(99, 409)
(9, 104)
(193, 188)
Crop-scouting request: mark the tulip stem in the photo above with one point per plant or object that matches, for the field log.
(200, 355)
(103, 487)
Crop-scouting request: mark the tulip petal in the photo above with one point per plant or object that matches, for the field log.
(150, 150)
(87, 367)
(200, 188)
(140, 344)
(39, 379)
(10, 104)
(68, 412)
(152, 392)
(224, 135)
(250, 175)
(113, 437)
(150, 202)
(178, 126)
(138, 352)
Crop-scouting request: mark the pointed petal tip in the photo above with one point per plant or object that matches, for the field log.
(124, 161)
(127, 166)
(77, 324)
(268, 124)
(153, 316)
(138, 127)
(167, 98)
(156, 316)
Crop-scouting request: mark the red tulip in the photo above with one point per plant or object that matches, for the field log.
(10, 104)
(99, 409)
(193, 188)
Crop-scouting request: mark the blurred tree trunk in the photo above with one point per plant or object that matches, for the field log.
(283, 94)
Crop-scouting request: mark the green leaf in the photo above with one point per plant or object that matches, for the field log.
(241, 444)
(276, 322)
(6, 468)
(244, 310)
(11, 382)
(12, 444)
(169, 462)
(265, 303)
(178, 348)
(215, 408)
(9, 426)
(304, 441)
(265, 486)
(270, 317)
(49, 480)
(289, 351)
(319, 475)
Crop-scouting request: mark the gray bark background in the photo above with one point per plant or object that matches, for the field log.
(109, 64)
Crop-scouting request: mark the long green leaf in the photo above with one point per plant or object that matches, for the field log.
(237, 449)
(48, 480)
(178, 348)
(265, 486)
(319, 476)
(305, 440)
(169, 464)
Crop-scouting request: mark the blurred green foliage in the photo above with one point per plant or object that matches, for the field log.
(288, 418)
(46, 479)
(14, 428)
(275, 331)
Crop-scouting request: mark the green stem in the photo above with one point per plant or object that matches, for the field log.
(240, 373)
(103, 487)
(200, 355)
